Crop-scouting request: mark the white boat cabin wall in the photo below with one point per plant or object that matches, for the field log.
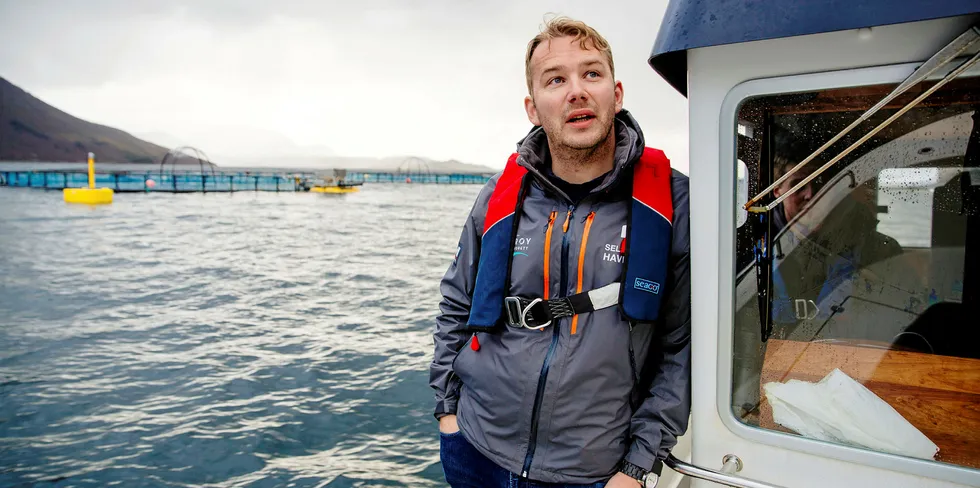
(836, 323)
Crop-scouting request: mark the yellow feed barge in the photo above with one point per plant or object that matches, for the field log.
(90, 195)
(334, 189)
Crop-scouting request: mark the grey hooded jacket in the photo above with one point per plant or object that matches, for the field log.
(547, 404)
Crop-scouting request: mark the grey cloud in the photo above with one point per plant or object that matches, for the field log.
(301, 67)
(48, 43)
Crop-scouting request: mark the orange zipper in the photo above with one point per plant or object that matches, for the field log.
(581, 262)
(547, 252)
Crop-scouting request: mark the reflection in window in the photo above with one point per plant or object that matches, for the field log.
(869, 273)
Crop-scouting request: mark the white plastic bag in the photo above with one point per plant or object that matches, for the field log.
(839, 409)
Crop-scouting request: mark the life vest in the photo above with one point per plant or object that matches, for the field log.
(647, 253)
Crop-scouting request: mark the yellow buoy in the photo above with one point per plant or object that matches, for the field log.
(334, 189)
(90, 195)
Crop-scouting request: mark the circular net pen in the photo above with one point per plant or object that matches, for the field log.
(414, 169)
(188, 169)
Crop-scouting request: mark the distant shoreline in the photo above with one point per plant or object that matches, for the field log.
(191, 166)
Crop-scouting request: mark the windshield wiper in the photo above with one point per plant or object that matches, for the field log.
(762, 231)
(952, 50)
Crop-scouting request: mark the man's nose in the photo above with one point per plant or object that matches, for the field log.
(807, 191)
(576, 91)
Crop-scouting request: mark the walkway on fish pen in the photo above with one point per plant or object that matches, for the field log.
(218, 181)
(424, 178)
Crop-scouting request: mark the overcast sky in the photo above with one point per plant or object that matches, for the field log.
(439, 79)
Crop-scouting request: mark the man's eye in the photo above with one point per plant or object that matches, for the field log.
(592, 74)
(557, 79)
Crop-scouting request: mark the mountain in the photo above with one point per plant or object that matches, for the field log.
(225, 141)
(405, 164)
(31, 130)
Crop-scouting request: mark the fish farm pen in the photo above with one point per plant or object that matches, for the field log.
(433, 178)
(218, 181)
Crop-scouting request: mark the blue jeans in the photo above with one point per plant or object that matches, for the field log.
(465, 467)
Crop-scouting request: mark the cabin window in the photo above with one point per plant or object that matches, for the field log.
(869, 275)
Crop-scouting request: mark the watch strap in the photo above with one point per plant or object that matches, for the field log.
(633, 471)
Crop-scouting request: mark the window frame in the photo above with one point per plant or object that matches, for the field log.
(728, 212)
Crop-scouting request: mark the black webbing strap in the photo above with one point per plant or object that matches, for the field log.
(537, 313)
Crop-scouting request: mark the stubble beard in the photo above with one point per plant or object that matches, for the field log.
(579, 154)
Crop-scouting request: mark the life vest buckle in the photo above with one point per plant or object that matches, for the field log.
(518, 313)
(538, 313)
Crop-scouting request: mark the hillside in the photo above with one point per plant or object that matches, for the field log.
(31, 130)
(404, 164)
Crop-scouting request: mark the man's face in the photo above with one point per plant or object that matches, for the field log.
(794, 203)
(574, 96)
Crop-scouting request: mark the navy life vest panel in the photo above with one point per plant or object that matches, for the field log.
(648, 237)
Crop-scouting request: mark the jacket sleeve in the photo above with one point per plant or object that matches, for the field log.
(454, 308)
(663, 414)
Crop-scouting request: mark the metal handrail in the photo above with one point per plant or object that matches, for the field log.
(953, 74)
(947, 54)
(714, 476)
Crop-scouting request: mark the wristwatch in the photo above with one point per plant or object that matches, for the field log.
(646, 478)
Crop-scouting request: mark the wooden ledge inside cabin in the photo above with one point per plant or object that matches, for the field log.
(939, 395)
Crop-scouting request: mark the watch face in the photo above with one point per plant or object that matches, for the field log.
(651, 480)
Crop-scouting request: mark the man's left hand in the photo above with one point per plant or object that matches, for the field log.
(623, 481)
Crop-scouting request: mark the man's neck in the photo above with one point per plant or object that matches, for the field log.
(578, 166)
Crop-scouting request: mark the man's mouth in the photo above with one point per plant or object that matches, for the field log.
(580, 116)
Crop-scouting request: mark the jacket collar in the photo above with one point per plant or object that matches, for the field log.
(534, 154)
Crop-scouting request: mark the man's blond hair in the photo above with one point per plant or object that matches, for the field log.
(559, 27)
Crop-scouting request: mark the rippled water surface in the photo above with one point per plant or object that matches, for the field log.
(251, 339)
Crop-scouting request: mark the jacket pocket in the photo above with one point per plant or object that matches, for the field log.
(456, 373)
(494, 399)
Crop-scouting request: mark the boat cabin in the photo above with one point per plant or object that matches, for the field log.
(835, 240)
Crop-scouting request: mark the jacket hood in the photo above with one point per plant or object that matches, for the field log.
(534, 154)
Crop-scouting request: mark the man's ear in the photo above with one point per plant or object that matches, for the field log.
(619, 96)
(532, 111)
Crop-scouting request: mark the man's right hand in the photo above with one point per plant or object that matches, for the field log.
(447, 425)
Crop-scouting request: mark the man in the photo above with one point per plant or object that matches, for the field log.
(825, 250)
(562, 351)
(798, 200)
